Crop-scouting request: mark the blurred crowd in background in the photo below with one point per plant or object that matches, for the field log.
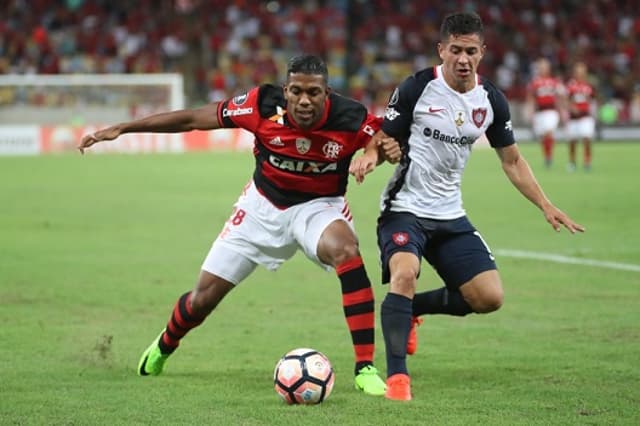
(223, 47)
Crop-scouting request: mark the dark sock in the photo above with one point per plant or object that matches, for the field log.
(358, 307)
(181, 322)
(440, 301)
(395, 314)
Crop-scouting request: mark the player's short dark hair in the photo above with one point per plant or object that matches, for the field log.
(307, 64)
(461, 23)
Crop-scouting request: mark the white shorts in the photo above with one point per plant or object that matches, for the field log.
(584, 127)
(545, 121)
(259, 233)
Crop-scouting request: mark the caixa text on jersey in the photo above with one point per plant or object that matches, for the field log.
(302, 166)
(456, 140)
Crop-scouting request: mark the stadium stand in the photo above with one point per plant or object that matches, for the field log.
(222, 47)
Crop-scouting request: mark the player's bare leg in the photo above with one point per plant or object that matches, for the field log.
(587, 154)
(338, 247)
(484, 292)
(481, 294)
(208, 293)
(190, 311)
(572, 155)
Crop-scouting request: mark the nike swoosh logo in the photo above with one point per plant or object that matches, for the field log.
(433, 110)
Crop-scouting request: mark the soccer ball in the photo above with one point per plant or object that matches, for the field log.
(303, 376)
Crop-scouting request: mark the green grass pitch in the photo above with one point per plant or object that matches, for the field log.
(95, 250)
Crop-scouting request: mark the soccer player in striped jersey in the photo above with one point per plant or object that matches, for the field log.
(582, 124)
(305, 137)
(437, 115)
(546, 94)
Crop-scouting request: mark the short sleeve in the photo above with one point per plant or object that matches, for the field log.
(500, 132)
(370, 126)
(399, 112)
(241, 111)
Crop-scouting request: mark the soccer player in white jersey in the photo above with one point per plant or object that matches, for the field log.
(437, 114)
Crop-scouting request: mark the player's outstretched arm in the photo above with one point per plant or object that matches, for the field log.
(381, 147)
(204, 118)
(520, 174)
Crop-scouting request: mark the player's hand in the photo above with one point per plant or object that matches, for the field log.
(363, 165)
(390, 150)
(557, 218)
(89, 140)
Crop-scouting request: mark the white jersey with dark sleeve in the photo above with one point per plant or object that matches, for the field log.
(437, 127)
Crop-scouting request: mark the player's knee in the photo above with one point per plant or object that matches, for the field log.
(338, 254)
(350, 250)
(489, 301)
(403, 281)
(337, 244)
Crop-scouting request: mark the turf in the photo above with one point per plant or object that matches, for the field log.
(94, 252)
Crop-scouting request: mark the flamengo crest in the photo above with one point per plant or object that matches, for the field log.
(303, 145)
(332, 150)
(478, 115)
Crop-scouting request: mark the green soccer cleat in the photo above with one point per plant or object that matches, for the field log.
(369, 382)
(152, 360)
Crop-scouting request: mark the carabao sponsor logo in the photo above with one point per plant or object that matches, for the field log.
(235, 112)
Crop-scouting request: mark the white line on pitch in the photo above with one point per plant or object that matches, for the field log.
(567, 259)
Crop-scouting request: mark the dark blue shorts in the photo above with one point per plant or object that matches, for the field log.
(453, 247)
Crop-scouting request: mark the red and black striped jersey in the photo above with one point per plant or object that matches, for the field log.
(581, 96)
(545, 91)
(294, 165)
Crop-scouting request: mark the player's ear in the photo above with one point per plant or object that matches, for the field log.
(440, 50)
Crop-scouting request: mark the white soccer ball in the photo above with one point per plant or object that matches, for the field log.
(303, 376)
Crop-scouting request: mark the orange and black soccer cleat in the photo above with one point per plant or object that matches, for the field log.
(398, 387)
(412, 341)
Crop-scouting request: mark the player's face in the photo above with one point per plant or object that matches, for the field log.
(580, 71)
(306, 95)
(544, 68)
(460, 56)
